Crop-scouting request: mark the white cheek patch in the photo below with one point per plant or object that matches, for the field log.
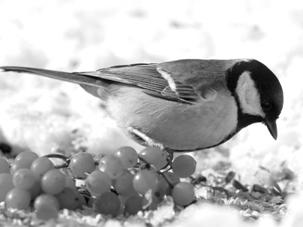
(249, 97)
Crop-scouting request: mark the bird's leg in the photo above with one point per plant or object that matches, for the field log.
(170, 156)
(142, 137)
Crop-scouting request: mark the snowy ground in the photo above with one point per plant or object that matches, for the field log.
(76, 35)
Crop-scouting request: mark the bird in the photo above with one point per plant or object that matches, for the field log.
(182, 105)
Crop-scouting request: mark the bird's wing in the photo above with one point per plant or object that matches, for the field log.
(185, 81)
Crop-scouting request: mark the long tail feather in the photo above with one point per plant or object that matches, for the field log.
(77, 78)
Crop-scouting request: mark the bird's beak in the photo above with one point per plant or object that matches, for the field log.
(272, 127)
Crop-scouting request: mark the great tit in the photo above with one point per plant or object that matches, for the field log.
(182, 105)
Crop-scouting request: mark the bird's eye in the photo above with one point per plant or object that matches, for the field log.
(266, 106)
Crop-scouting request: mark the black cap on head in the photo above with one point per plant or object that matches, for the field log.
(267, 83)
(268, 86)
(270, 90)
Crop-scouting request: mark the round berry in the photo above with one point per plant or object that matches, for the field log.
(97, 183)
(154, 156)
(111, 165)
(18, 198)
(124, 184)
(53, 182)
(108, 203)
(81, 164)
(128, 156)
(184, 165)
(24, 179)
(41, 165)
(70, 199)
(145, 180)
(133, 204)
(25, 159)
(6, 184)
(46, 199)
(183, 193)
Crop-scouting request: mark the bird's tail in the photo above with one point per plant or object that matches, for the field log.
(77, 78)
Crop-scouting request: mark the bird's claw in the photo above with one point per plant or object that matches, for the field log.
(169, 158)
(142, 137)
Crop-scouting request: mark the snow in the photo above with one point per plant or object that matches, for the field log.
(74, 35)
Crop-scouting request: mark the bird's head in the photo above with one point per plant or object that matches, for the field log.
(258, 93)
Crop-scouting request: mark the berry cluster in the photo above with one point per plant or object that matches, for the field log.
(123, 182)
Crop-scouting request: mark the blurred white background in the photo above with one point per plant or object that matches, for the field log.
(75, 35)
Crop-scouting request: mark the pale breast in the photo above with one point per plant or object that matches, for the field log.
(176, 125)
